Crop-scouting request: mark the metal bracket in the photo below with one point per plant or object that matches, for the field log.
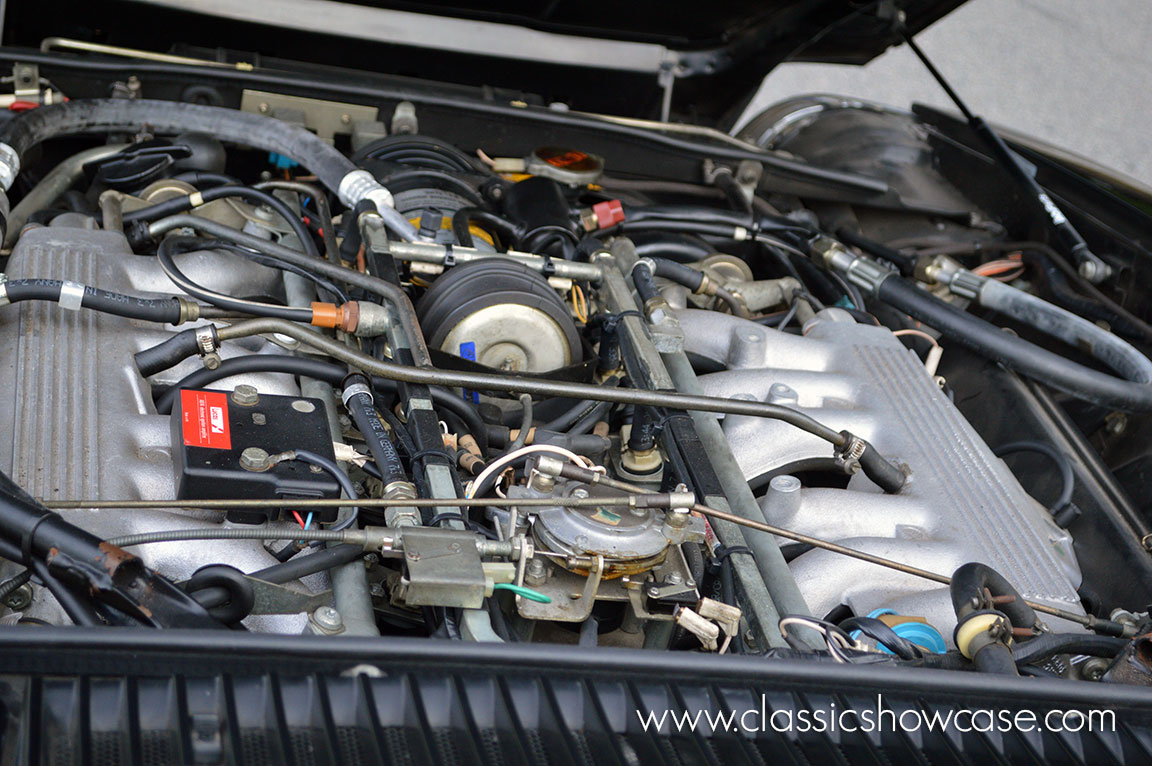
(326, 118)
(278, 599)
(567, 609)
(443, 567)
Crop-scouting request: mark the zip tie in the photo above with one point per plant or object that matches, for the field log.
(71, 295)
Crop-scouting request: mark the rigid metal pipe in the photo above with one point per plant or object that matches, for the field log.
(59, 180)
(424, 252)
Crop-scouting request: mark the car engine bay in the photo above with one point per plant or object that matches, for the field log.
(286, 367)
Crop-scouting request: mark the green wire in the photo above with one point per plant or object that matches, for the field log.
(520, 590)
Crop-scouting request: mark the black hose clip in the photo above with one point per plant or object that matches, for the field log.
(241, 594)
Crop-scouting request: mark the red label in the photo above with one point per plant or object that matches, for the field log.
(206, 419)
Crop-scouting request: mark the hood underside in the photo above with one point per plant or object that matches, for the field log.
(713, 58)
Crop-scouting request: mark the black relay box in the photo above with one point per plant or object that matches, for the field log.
(212, 429)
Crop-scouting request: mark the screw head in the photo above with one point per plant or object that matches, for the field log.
(580, 492)
(254, 459)
(327, 618)
(20, 598)
(245, 395)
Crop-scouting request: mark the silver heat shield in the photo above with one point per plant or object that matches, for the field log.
(960, 504)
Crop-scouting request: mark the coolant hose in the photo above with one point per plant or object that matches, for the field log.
(1078, 332)
(967, 590)
(1050, 644)
(1013, 352)
(86, 116)
(984, 601)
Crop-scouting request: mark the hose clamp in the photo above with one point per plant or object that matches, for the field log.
(71, 295)
(206, 340)
(355, 390)
(651, 264)
(967, 285)
(9, 166)
(4, 289)
(853, 447)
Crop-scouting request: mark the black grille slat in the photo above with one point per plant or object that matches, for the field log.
(165, 702)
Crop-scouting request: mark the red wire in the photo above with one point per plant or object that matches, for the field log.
(299, 519)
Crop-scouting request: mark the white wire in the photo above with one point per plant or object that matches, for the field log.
(504, 460)
(834, 640)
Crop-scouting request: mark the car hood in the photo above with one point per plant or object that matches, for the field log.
(597, 55)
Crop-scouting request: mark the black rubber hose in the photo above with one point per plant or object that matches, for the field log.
(642, 277)
(967, 590)
(87, 116)
(200, 178)
(323, 209)
(525, 423)
(507, 233)
(581, 444)
(362, 408)
(906, 263)
(676, 247)
(168, 354)
(642, 437)
(392, 293)
(164, 310)
(883, 473)
(227, 302)
(293, 569)
(995, 658)
(1013, 352)
(1048, 645)
(184, 203)
(679, 273)
(1063, 464)
(726, 183)
(589, 420)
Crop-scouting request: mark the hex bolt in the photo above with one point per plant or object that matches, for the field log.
(580, 492)
(254, 459)
(674, 578)
(536, 572)
(1094, 669)
(327, 619)
(245, 395)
